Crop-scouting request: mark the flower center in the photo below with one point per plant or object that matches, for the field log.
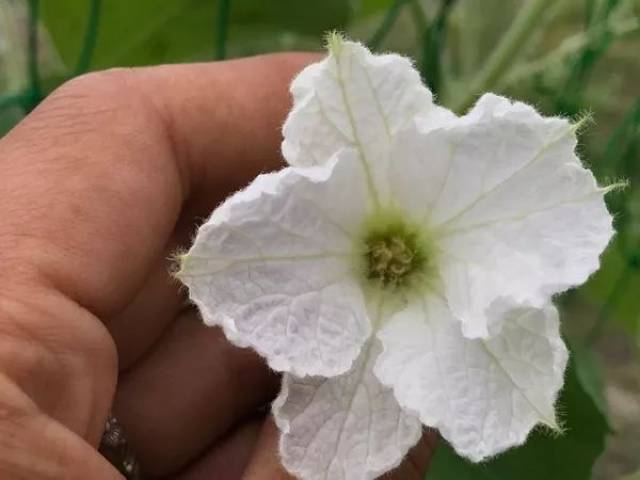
(394, 253)
(390, 259)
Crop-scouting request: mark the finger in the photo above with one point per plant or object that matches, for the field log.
(188, 392)
(53, 452)
(229, 457)
(60, 358)
(265, 463)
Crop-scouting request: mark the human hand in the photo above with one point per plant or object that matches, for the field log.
(98, 187)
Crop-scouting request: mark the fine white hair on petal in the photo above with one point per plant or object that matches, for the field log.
(353, 99)
(273, 267)
(484, 396)
(348, 427)
(510, 206)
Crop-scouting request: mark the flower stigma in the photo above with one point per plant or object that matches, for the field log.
(395, 254)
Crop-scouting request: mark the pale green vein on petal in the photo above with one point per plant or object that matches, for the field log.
(550, 422)
(437, 359)
(358, 143)
(447, 232)
(331, 123)
(186, 272)
(445, 181)
(379, 108)
(518, 171)
(351, 400)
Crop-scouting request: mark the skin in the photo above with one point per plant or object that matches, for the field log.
(99, 185)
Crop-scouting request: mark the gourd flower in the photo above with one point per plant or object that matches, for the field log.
(400, 270)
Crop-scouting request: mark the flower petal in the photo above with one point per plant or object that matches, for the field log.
(353, 99)
(273, 267)
(483, 395)
(343, 428)
(420, 166)
(510, 204)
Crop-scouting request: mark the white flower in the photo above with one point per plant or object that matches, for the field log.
(400, 270)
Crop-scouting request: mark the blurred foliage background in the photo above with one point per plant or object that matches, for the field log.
(566, 57)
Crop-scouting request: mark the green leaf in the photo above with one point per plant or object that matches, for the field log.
(146, 32)
(569, 456)
(589, 374)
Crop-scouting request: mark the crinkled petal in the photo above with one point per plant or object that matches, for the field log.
(484, 396)
(420, 164)
(273, 267)
(353, 99)
(512, 209)
(343, 428)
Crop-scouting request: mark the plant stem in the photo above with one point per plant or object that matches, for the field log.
(511, 43)
(385, 26)
(433, 45)
(567, 48)
(222, 28)
(420, 19)
(570, 98)
(90, 38)
(34, 95)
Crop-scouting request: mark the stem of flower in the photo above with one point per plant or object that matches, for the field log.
(433, 40)
(513, 40)
(387, 23)
(222, 28)
(420, 19)
(90, 38)
(34, 94)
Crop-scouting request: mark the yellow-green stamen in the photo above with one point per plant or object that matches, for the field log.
(394, 254)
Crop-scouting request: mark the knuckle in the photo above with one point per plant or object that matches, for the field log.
(109, 109)
(96, 85)
(97, 101)
(56, 343)
(18, 460)
(34, 447)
